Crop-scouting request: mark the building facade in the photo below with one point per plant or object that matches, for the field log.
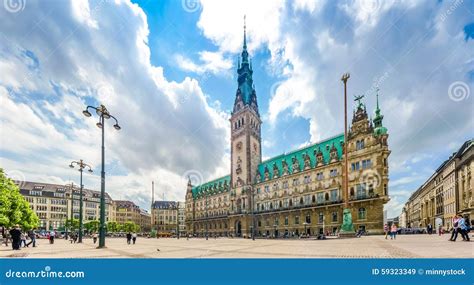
(296, 192)
(446, 193)
(54, 203)
(167, 218)
(127, 211)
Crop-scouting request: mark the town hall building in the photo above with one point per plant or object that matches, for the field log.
(295, 193)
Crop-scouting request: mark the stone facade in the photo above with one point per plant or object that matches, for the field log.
(447, 192)
(54, 204)
(297, 192)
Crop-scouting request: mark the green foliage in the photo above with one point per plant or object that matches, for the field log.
(92, 226)
(72, 224)
(153, 233)
(112, 227)
(130, 227)
(14, 209)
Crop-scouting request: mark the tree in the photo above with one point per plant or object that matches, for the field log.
(112, 227)
(72, 224)
(92, 226)
(130, 227)
(14, 209)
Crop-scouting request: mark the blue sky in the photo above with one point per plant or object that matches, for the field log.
(166, 69)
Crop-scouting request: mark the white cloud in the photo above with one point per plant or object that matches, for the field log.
(97, 52)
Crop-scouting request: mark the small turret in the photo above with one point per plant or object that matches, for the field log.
(379, 129)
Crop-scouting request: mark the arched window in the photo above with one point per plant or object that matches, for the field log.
(313, 199)
(301, 201)
(326, 197)
(291, 202)
(362, 214)
(280, 204)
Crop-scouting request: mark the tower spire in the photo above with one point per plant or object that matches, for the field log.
(245, 32)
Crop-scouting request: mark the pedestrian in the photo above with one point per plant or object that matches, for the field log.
(393, 231)
(52, 234)
(15, 233)
(134, 237)
(94, 237)
(429, 229)
(385, 230)
(454, 234)
(463, 228)
(440, 230)
(22, 239)
(32, 236)
(129, 237)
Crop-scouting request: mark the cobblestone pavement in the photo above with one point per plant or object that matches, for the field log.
(409, 246)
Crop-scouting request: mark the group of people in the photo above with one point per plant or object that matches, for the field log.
(19, 238)
(392, 231)
(460, 226)
(131, 238)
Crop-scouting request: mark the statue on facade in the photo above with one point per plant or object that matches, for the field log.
(307, 161)
(296, 164)
(285, 167)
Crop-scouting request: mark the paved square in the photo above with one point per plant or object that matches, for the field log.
(421, 246)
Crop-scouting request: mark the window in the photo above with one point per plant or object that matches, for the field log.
(285, 184)
(285, 203)
(334, 195)
(385, 161)
(366, 163)
(360, 145)
(319, 176)
(385, 189)
(320, 197)
(362, 214)
(361, 191)
(308, 219)
(267, 188)
(297, 220)
(326, 196)
(333, 173)
(313, 199)
(307, 199)
(321, 217)
(355, 166)
(307, 179)
(295, 182)
(286, 220)
(334, 216)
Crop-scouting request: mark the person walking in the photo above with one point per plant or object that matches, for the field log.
(52, 234)
(15, 233)
(129, 237)
(429, 229)
(463, 228)
(454, 234)
(134, 237)
(385, 230)
(94, 237)
(393, 231)
(32, 236)
(22, 239)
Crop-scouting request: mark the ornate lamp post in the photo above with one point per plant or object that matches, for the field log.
(347, 228)
(81, 166)
(103, 114)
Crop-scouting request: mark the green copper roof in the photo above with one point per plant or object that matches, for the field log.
(212, 187)
(379, 129)
(325, 147)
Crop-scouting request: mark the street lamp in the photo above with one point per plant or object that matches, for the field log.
(347, 228)
(81, 164)
(207, 216)
(103, 114)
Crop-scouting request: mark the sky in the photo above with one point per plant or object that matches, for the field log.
(167, 71)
